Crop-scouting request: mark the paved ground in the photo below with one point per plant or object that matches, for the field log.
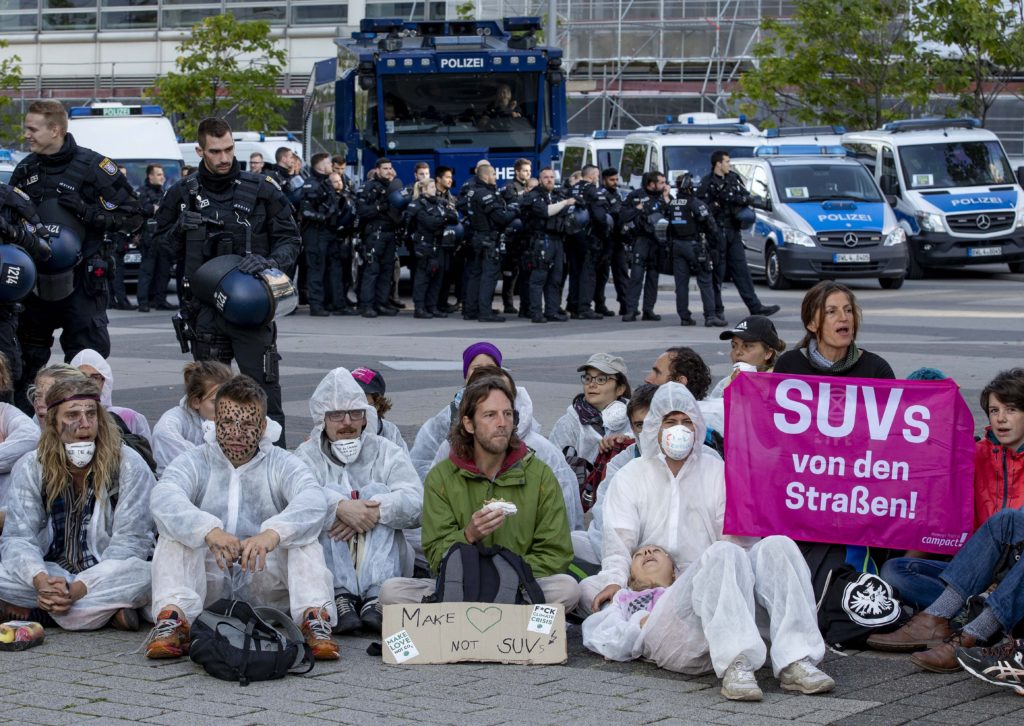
(969, 324)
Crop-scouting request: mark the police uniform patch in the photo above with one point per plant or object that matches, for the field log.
(273, 181)
(21, 194)
(109, 206)
(108, 166)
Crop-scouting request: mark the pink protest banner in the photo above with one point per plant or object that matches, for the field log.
(858, 461)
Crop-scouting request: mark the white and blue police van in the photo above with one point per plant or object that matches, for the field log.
(958, 198)
(602, 149)
(826, 218)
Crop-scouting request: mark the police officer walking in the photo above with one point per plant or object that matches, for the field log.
(378, 223)
(318, 209)
(222, 210)
(81, 195)
(690, 227)
(637, 224)
(548, 209)
(488, 215)
(724, 192)
(155, 271)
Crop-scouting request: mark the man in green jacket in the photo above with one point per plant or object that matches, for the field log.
(488, 462)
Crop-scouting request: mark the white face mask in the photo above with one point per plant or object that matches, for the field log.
(347, 450)
(80, 453)
(677, 442)
(614, 416)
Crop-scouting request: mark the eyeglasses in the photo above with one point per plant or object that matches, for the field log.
(357, 414)
(599, 380)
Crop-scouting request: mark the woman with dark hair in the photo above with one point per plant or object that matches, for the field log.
(831, 319)
(599, 411)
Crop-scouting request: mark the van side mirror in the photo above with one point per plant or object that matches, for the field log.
(1020, 175)
(892, 200)
(889, 185)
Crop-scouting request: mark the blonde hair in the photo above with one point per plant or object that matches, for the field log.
(53, 461)
(200, 374)
(420, 188)
(53, 111)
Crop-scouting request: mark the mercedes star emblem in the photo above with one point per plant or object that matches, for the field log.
(850, 239)
(983, 221)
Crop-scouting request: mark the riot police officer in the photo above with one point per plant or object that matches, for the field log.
(692, 233)
(155, 272)
(515, 277)
(724, 192)
(339, 249)
(431, 219)
(488, 215)
(585, 248)
(222, 210)
(548, 208)
(448, 249)
(80, 193)
(378, 230)
(614, 259)
(637, 215)
(317, 215)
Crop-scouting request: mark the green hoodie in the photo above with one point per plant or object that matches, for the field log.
(538, 531)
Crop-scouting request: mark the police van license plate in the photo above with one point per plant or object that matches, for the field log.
(132, 258)
(851, 257)
(984, 251)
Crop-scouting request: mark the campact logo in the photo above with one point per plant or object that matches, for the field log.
(971, 201)
(461, 63)
(846, 217)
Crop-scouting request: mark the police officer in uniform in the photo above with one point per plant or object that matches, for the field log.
(515, 276)
(318, 208)
(615, 259)
(72, 187)
(156, 260)
(488, 215)
(692, 233)
(724, 192)
(431, 219)
(638, 211)
(223, 210)
(378, 224)
(589, 243)
(548, 208)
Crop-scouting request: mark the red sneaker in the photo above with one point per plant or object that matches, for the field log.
(170, 637)
(316, 627)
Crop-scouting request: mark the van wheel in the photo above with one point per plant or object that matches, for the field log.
(914, 269)
(891, 283)
(773, 271)
(1017, 267)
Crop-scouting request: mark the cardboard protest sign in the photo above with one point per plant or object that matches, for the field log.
(885, 463)
(452, 632)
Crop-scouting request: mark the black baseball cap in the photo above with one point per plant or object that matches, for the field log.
(755, 328)
(370, 380)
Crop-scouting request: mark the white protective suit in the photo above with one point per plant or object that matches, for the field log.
(201, 490)
(134, 420)
(392, 433)
(707, 617)
(180, 429)
(120, 538)
(382, 472)
(18, 436)
(569, 432)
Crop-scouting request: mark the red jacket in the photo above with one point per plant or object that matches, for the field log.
(998, 478)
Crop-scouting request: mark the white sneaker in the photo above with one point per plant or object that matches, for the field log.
(804, 677)
(739, 683)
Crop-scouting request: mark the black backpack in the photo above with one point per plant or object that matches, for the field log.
(234, 641)
(135, 442)
(474, 573)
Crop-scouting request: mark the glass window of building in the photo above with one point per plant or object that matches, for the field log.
(69, 21)
(274, 14)
(186, 17)
(20, 22)
(126, 20)
(319, 14)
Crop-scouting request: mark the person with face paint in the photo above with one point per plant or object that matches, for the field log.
(18, 436)
(239, 517)
(78, 534)
(373, 493)
(675, 494)
(184, 427)
(94, 366)
(46, 377)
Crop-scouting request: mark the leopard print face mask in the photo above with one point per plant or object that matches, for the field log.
(239, 429)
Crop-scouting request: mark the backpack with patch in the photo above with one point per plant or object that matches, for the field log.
(234, 641)
(474, 573)
(594, 477)
(137, 443)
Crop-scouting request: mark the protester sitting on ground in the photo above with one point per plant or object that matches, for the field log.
(435, 430)
(998, 484)
(46, 377)
(675, 494)
(94, 366)
(78, 534)
(375, 388)
(372, 493)
(488, 461)
(597, 412)
(755, 346)
(529, 432)
(18, 436)
(182, 428)
(239, 517)
(684, 365)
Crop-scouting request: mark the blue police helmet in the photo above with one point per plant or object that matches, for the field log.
(582, 216)
(458, 232)
(515, 226)
(64, 233)
(17, 274)
(399, 199)
(248, 301)
(745, 217)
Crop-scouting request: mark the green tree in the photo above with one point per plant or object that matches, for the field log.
(225, 66)
(850, 62)
(982, 47)
(10, 79)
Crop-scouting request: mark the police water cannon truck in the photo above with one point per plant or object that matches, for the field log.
(823, 217)
(442, 92)
(957, 196)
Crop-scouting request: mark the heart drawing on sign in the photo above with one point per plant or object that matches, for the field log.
(483, 619)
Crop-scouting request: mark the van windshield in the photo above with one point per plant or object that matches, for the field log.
(823, 181)
(697, 159)
(955, 164)
(137, 171)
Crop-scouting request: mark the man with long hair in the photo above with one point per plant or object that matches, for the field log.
(239, 517)
(78, 534)
(488, 461)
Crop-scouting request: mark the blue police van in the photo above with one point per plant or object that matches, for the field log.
(826, 218)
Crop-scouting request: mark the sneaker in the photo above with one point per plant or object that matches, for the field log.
(13, 612)
(348, 613)
(1000, 665)
(802, 676)
(739, 683)
(169, 637)
(372, 616)
(316, 627)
